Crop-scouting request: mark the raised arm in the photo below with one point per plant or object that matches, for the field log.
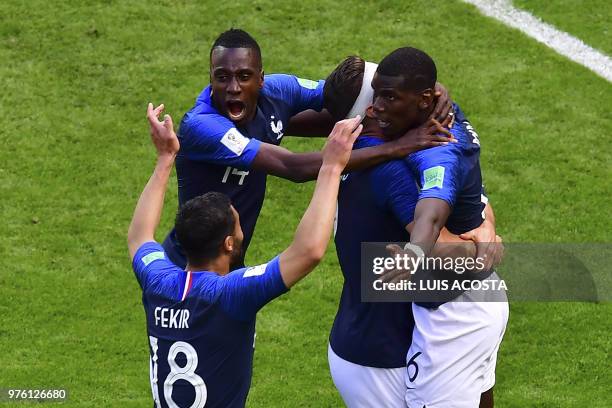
(313, 232)
(148, 210)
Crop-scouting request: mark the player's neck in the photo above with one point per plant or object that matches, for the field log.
(371, 128)
(219, 265)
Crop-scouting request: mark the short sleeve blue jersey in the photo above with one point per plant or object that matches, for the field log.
(452, 173)
(374, 205)
(216, 155)
(201, 328)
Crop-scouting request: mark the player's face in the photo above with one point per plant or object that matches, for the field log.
(236, 255)
(236, 77)
(395, 108)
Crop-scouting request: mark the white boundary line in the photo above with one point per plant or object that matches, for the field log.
(560, 41)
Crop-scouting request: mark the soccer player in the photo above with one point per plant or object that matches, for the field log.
(451, 361)
(201, 321)
(229, 139)
(375, 205)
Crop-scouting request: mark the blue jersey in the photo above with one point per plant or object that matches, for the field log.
(201, 328)
(452, 173)
(374, 205)
(215, 155)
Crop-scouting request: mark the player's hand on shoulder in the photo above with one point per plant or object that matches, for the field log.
(339, 145)
(430, 134)
(443, 111)
(162, 132)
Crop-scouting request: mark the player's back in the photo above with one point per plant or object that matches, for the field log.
(369, 334)
(452, 173)
(201, 328)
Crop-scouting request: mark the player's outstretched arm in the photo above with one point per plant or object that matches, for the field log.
(148, 210)
(313, 232)
(301, 167)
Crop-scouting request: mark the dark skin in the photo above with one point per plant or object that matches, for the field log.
(397, 109)
(236, 79)
(314, 124)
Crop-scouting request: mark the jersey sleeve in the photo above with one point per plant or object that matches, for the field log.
(210, 137)
(298, 93)
(396, 189)
(247, 290)
(438, 172)
(150, 261)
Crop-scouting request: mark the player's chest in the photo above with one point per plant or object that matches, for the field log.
(269, 123)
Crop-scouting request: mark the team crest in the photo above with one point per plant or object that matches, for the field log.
(277, 127)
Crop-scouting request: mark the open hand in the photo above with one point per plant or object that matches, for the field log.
(162, 132)
(430, 134)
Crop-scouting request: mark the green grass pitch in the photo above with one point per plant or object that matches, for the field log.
(75, 77)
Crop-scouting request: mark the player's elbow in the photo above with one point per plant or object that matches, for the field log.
(299, 176)
(313, 254)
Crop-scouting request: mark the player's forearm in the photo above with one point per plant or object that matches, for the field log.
(430, 216)
(305, 166)
(148, 209)
(280, 162)
(489, 214)
(424, 233)
(450, 245)
(369, 156)
(313, 232)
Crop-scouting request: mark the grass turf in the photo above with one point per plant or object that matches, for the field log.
(75, 80)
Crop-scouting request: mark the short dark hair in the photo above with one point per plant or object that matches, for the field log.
(415, 66)
(202, 224)
(236, 38)
(342, 87)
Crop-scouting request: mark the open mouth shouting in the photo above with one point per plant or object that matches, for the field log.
(236, 110)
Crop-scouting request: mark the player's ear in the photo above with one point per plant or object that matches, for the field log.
(426, 99)
(370, 112)
(261, 79)
(228, 244)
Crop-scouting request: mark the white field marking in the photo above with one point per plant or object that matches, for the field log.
(560, 41)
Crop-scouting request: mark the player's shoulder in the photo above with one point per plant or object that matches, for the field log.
(204, 285)
(283, 85)
(158, 274)
(203, 120)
